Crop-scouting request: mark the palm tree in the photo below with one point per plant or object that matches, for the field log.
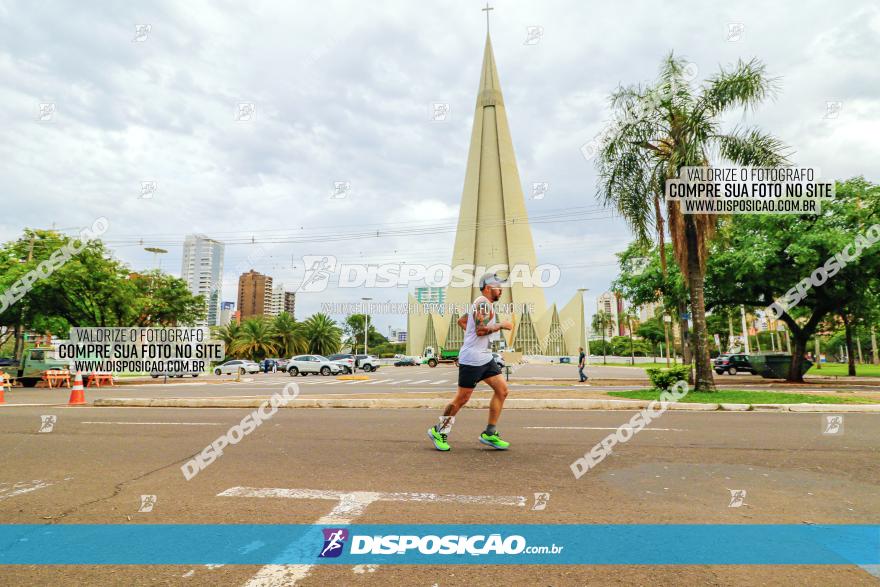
(628, 316)
(256, 339)
(228, 334)
(322, 335)
(601, 321)
(289, 336)
(666, 126)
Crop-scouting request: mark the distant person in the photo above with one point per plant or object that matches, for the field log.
(582, 362)
(265, 365)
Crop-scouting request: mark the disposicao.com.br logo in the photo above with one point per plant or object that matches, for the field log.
(393, 544)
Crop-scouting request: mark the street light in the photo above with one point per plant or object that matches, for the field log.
(156, 252)
(583, 290)
(366, 326)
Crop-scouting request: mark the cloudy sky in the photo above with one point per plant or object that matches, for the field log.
(343, 92)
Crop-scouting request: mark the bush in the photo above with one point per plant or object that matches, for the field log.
(664, 379)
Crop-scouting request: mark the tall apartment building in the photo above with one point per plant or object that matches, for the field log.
(227, 313)
(254, 295)
(202, 269)
(612, 304)
(281, 301)
(290, 302)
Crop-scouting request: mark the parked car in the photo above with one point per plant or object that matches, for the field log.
(305, 364)
(366, 362)
(733, 364)
(8, 362)
(179, 374)
(281, 363)
(345, 361)
(405, 362)
(236, 366)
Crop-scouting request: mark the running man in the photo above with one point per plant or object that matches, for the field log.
(475, 364)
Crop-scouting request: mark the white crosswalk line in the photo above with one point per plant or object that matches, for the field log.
(420, 381)
(439, 382)
(379, 381)
(399, 381)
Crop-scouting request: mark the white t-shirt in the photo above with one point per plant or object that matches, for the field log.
(475, 349)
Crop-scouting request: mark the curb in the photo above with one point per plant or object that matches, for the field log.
(439, 403)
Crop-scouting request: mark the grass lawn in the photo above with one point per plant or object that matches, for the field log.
(840, 370)
(733, 396)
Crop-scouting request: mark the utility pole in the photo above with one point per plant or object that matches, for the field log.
(874, 345)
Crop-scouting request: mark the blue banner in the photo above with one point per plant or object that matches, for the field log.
(530, 544)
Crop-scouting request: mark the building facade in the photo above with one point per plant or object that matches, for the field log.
(202, 269)
(254, 295)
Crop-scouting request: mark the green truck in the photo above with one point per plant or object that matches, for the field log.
(33, 363)
(431, 358)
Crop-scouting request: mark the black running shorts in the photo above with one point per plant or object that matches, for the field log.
(470, 375)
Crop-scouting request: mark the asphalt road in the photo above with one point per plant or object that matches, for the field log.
(96, 463)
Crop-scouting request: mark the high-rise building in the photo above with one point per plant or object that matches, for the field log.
(396, 335)
(202, 269)
(430, 295)
(290, 302)
(254, 294)
(611, 304)
(227, 313)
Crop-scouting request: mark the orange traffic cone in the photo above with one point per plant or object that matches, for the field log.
(77, 394)
(3, 384)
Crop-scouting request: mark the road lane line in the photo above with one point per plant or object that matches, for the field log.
(20, 488)
(159, 423)
(419, 381)
(380, 381)
(439, 382)
(350, 505)
(595, 428)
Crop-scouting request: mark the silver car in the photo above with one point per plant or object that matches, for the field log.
(241, 366)
(305, 364)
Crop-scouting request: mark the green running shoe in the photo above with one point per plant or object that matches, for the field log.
(438, 439)
(494, 441)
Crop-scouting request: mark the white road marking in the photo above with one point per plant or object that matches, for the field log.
(595, 428)
(379, 381)
(399, 381)
(159, 423)
(350, 505)
(439, 382)
(8, 490)
(419, 381)
(26, 405)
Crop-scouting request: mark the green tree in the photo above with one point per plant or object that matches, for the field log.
(759, 258)
(256, 339)
(289, 335)
(669, 125)
(228, 334)
(322, 334)
(628, 317)
(601, 321)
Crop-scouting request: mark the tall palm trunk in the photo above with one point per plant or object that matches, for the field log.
(696, 276)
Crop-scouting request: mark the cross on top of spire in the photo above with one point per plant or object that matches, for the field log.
(486, 10)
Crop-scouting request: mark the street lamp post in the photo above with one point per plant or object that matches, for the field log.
(156, 252)
(366, 326)
(584, 290)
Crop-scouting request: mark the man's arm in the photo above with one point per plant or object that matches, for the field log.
(462, 322)
(482, 315)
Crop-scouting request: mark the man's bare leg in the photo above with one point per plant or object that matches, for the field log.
(499, 386)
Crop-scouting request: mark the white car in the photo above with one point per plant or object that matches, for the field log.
(305, 364)
(236, 366)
